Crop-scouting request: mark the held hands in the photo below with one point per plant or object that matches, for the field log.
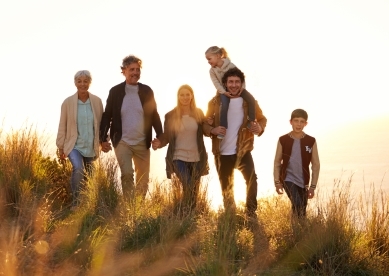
(219, 130)
(155, 144)
(106, 146)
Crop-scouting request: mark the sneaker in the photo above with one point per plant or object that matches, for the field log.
(220, 136)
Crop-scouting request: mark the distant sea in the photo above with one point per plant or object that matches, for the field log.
(359, 151)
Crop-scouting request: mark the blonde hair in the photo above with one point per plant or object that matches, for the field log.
(193, 108)
(217, 51)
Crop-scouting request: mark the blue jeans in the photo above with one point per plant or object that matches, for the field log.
(225, 103)
(298, 197)
(189, 175)
(81, 168)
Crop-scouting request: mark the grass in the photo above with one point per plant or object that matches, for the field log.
(345, 234)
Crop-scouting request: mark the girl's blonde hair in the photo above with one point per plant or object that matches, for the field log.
(217, 51)
(193, 108)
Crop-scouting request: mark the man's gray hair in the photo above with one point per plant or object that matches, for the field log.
(83, 73)
(131, 59)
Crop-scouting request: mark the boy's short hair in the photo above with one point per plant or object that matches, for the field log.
(299, 113)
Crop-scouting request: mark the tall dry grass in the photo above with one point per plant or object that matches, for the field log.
(343, 234)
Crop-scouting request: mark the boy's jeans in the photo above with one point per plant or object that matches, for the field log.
(299, 198)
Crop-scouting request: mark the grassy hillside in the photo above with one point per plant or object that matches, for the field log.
(39, 235)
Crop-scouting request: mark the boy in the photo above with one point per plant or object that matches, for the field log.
(295, 151)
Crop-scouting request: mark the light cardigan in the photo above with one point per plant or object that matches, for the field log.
(217, 74)
(67, 129)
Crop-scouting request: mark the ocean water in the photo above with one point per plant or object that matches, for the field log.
(359, 151)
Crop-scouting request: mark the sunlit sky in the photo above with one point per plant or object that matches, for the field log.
(328, 57)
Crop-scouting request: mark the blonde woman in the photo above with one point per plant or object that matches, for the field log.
(186, 156)
(78, 131)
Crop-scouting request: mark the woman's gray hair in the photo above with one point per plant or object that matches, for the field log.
(83, 73)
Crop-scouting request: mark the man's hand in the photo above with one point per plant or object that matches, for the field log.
(279, 189)
(106, 146)
(255, 128)
(311, 193)
(155, 144)
(219, 130)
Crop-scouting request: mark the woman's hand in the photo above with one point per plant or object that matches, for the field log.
(106, 146)
(61, 154)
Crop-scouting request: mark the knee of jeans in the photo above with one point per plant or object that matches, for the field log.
(78, 169)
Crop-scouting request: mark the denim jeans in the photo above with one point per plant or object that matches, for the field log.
(225, 103)
(189, 175)
(298, 197)
(225, 166)
(81, 168)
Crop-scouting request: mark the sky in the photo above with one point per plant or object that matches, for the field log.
(329, 57)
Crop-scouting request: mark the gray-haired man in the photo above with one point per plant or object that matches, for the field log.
(130, 114)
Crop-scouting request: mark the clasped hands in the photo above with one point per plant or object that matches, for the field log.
(155, 144)
(106, 146)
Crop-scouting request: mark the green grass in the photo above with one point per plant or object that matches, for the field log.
(39, 235)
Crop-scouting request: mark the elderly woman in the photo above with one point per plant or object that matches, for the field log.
(186, 155)
(78, 131)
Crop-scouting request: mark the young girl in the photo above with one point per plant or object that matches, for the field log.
(220, 63)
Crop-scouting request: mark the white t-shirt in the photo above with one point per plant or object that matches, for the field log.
(235, 118)
(132, 116)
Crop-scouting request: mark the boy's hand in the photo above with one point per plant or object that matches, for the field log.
(311, 193)
(279, 189)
